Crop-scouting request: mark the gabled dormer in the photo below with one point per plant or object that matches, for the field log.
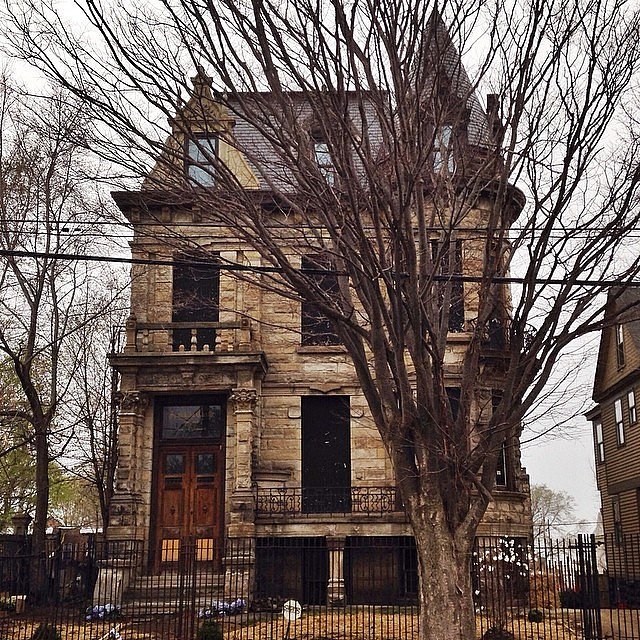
(201, 145)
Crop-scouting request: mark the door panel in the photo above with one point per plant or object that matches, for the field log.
(189, 502)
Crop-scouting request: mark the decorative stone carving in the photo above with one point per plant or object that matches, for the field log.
(244, 399)
(132, 402)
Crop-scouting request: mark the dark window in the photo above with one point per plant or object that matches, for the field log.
(191, 418)
(316, 327)
(326, 454)
(201, 153)
(599, 437)
(620, 345)
(617, 407)
(448, 255)
(502, 475)
(501, 470)
(443, 160)
(453, 395)
(196, 292)
(295, 568)
(617, 519)
(381, 570)
(631, 401)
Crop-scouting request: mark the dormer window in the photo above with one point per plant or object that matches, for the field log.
(323, 158)
(201, 153)
(443, 161)
(620, 346)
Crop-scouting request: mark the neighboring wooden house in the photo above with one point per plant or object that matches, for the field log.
(616, 429)
(240, 414)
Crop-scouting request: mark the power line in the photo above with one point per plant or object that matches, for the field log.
(214, 262)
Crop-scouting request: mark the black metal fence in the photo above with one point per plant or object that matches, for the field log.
(350, 587)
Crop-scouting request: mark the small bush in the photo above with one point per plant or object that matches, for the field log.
(497, 633)
(210, 630)
(46, 632)
(535, 615)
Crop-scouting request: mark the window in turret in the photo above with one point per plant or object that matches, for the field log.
(443, 160)
(449, 257)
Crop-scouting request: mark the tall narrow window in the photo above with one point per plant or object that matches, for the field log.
(501, 469)
(443, 161)
(502, 475)
(599, 437)
(316, 327)
(620, 345)
(201, 153)
(617, 519)
(453, 395)
(196, 291)
(326, 454)
(631, 400)
(619, 421)
(449, 257)
(323, 157)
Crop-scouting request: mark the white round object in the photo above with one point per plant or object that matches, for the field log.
(292, 610)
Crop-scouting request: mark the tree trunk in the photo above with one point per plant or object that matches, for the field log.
(446, 597)
(38, 573)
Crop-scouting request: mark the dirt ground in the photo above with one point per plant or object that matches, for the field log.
(354, 623)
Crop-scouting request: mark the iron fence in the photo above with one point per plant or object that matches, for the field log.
(352, 587)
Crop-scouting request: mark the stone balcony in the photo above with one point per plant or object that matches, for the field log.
(189, 337)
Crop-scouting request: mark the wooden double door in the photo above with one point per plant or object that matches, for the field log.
(189, 504)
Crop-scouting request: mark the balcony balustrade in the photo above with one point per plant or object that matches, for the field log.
(207, 337)
(293, 502)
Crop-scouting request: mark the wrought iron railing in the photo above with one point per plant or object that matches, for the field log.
(298, 501)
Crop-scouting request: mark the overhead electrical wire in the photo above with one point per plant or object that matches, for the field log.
(222, 266)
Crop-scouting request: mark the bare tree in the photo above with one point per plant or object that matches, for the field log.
(93, 400)
(403, 175)
(47, 217)
(552, 511)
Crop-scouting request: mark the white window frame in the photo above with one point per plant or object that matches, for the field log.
(599, 438)
(617, 407)
(443, 161)
(200, 160)
(324, 160)
(620, 359)
(631, 402)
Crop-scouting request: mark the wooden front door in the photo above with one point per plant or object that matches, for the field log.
(189, 503)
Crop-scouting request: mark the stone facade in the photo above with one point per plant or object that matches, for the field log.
(250, 367)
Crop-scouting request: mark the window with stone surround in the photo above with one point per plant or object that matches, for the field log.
(200, 157)
(316, 327)
(196, 292)
(448, 258)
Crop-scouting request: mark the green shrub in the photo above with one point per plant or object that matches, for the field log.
(46, 632)
(210, 630)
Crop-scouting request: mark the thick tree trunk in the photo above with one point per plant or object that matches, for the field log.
(446, 597)
(38, 573)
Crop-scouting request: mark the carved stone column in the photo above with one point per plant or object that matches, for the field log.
(124, 520)
(244, 402)
(240, 556)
